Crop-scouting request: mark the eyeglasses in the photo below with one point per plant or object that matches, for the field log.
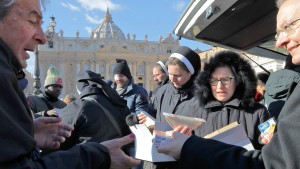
(224, 81)
(289, 28)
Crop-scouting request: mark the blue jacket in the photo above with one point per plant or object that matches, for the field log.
(136, 97)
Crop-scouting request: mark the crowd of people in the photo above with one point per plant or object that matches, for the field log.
(92, 129)
(283, 150)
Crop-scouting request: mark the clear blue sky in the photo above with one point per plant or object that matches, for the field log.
(151, 17)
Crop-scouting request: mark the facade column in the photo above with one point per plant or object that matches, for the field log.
(43, 72)
(65, 80)
(132, 68)
(146, 75)
(78, 67)
(107, 71)
(93, 66)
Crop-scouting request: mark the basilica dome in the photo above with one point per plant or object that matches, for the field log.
(107, 29)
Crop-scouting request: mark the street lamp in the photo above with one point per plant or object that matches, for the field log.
(49, 34)
(51, 31)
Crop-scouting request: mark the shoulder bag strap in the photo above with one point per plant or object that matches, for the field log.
(107, 113)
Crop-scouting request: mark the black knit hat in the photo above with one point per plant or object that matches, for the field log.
(189, 57)
(122, 68)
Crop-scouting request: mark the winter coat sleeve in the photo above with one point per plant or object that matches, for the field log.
(141, 103)
(87, 156)
(283, 151)
(210, 154)
(137, 99)
(36, 105)
(153, 108)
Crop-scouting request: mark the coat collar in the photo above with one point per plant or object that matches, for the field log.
(10, 57)
(129, 86)
(232, 103)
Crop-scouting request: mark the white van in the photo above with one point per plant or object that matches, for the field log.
(243, 25)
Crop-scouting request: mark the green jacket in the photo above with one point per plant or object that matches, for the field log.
(38, 104)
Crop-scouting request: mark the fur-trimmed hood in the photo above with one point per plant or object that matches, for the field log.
(245, 75)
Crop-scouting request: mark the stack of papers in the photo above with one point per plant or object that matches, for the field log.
(146, 142)
(233, 134)
(144, 145)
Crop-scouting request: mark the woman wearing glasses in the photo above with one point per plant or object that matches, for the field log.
(224, 93)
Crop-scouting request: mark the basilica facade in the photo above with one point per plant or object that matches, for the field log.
(99, 52)
(107, 43)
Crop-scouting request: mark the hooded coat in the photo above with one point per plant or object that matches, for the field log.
(17, 130)
(91, 123)
(281, 152)
(241, 107)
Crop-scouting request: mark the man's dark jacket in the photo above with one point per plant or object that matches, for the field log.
(17, 142)
(89, 119)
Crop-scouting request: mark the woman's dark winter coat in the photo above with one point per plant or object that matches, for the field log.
(281, 152)
(241, 107)
(168, 99)
(218, 115)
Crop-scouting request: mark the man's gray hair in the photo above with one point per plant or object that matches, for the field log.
(6, 5)
(279, 3)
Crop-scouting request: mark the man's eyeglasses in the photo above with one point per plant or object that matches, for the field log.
(289, 28)
(224, 81)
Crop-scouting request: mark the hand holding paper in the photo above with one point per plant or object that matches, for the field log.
(177, 120)
(58, 112)
(147, 119)
(145, 148)
(267, 130)
(173, 149)
(161, 138)
(184, 130)
(146, 142)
